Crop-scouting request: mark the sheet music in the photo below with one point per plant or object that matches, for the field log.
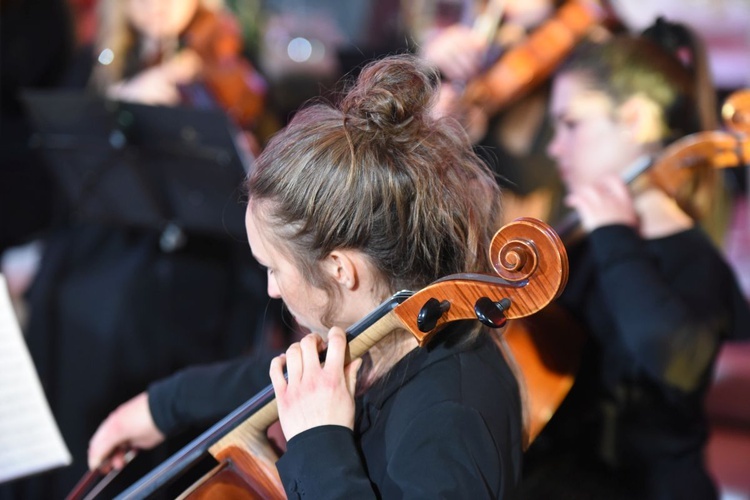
(30, 441)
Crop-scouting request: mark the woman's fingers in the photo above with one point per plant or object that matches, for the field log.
(102, 443)
(294, 362)
(276, 372)
(130, 425)
(337, 350)
(315, 395)
(457, 51)
(301, 359)
(310, 347)
(614, 186)
(351, 375)
(604, 202)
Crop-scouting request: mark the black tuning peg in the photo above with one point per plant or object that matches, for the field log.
(491, 313)
(430, 313)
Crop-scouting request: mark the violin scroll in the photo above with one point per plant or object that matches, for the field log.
(677, 167)
(736, 112)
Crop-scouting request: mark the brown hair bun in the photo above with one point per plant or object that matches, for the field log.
(392, 97)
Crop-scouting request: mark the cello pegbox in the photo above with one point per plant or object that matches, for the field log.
(430, 313)
(491, 313)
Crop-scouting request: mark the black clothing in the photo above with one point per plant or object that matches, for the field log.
(36, 44)
(111, 311)
(633, 425)
(445, 422)
(207, 393)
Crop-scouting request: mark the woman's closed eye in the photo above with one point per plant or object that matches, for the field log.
(566, 123)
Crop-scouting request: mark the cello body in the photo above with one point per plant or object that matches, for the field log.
(546, 351)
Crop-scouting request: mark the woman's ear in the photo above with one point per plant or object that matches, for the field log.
(642, 118)
(344, 267)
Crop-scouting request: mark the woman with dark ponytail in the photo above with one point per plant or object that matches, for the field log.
(653, 293)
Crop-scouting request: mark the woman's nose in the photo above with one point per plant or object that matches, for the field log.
(273, 288)
(554, 147)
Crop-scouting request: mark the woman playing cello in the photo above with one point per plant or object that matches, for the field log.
(346, 206)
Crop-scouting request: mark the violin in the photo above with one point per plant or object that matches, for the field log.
(532, 270)
(230, 79)
(527, 64)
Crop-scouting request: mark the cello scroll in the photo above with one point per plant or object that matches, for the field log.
(532, 268)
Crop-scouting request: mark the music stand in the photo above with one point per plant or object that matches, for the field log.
(173, 169)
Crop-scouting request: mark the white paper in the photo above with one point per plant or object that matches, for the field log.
(30, 441)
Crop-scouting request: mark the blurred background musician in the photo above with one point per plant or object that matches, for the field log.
(173, 53)
(511, 134)
(111, 309)
(723, 25)
(655, 295)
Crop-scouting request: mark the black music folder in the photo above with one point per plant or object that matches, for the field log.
(174, 169)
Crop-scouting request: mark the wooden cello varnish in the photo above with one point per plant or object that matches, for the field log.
(246, 463)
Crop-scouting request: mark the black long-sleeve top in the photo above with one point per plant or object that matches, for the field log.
(444, 423)
(206, 393)
(656, 312)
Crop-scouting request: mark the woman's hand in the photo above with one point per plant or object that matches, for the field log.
(313, 394)
(130, 425)
(151, 87)
(604, 202)
(158, 85)
(457, 51)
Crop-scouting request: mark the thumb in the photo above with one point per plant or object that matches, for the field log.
(351, 375)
